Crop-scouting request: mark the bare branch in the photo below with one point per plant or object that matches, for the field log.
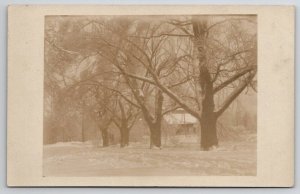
(233, 78)
(62, 49)
(119, 93)
(235, 94)
(181, 82)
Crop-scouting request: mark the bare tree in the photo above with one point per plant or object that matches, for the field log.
(236, 68)
(125, 120)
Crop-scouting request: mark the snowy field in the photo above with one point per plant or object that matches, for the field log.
(180, 156)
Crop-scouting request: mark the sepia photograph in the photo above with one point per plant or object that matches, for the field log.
(150, 95)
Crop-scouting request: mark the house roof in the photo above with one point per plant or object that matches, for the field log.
(180, 118)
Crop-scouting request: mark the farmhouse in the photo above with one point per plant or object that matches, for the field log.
(180, 122)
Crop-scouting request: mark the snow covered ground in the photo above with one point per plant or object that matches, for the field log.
(180, 156)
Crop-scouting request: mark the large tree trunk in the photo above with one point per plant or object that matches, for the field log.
(155, 135)
(208, 130)
(123, 126)
(124, 139)
(208, 117)
(155, 126)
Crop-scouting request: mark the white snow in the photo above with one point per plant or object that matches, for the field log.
(177, 157)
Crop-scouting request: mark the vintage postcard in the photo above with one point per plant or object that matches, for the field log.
(150, 96)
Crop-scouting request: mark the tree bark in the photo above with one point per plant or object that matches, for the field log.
(123, 126)
(124, 139)
(105, 137)
(208, 131)
(208, 118)
(155, 135)
(104, 131)
(155, 125)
